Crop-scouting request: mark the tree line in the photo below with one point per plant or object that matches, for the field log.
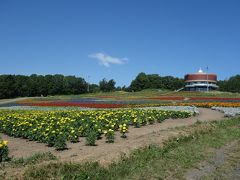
(230, 85)
(38, 85)
(154, 81)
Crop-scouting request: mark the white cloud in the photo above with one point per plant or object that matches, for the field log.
(107, 60)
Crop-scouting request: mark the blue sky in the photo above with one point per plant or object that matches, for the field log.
(119, 38)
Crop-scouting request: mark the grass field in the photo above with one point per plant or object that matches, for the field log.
(150, 93)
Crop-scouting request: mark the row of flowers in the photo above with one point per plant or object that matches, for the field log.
(196, 104)
(211, 104)
(181, 98)
(117, 105)
(213, 99)
(57, 127)
(77, 104)
(101, 103)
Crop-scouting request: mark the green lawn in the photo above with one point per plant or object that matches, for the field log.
(148, 93)
(117, 94)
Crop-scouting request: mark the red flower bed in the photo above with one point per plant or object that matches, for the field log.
(171, 98)
(87, 105)
(214, 98)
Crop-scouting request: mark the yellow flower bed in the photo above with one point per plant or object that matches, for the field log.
(57, 127)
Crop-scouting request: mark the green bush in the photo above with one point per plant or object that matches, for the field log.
(60, 143)
(91, 137)
(109, 136)
(3, 151)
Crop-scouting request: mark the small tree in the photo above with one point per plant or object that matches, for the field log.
(107, 86)
(111, 85)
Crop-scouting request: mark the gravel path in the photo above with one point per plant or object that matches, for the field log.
(228, 111)
(6, 101)
(191, 109)
(176, 108)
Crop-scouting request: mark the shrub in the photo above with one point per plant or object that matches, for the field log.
(109, 135)
(123, 129)
(60, 143)
(91, 137)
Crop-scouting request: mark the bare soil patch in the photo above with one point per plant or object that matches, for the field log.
(6, 101)
(106, 153)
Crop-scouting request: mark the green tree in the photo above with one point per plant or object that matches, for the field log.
(111, 85)
(107, 86)
(140, 82)
(75, 85)
(93, 88)
(155, 81)
(143, 81)
(230, 85)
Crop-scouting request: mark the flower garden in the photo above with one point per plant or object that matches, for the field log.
(103, 102)
(58, 120)
(55, 128)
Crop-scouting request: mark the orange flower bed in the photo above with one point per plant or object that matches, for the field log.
(210, 104)
(214, 98)
(201, 104)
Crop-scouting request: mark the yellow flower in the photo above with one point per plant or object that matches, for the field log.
(5, 143)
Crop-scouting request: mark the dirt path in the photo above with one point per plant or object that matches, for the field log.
(104, 152)
(6, 101)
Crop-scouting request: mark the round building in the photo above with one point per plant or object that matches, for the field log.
(200, 81)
